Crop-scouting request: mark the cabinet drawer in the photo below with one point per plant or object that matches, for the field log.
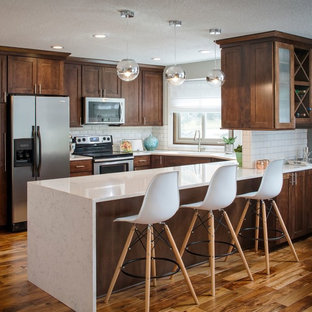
(142, 161)
(81, 166)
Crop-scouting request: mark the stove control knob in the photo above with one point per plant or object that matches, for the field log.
(78, 140)
(83, 139)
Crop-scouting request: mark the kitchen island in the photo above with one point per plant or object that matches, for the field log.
(73, 245)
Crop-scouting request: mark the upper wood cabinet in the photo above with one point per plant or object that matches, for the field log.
(29, 75)
(259, 89)
(3, 79)
(72, 88)
(131, 92)
(152, 97)
(100, 81)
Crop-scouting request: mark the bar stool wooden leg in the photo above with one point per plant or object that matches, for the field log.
(281, 221)
(120, 263)
(187, 237)
(239, 225)
(148, 268)
(211, 247)
(153, 257)
(257, 226)
(180, 262)
(265, 238)
(237, 244)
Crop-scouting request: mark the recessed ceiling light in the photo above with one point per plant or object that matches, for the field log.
(156, 58)
(99, 36)
(204, 51)
(57, 47)
(215, 31)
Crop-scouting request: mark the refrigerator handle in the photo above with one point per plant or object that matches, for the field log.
(39, 138)
(33, 136)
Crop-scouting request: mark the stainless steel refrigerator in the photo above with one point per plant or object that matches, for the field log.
(39, 146)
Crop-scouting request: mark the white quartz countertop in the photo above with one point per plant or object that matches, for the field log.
(114, 186)
(78, 157)
(187, 153)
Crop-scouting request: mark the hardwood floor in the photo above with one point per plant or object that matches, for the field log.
(287, 289)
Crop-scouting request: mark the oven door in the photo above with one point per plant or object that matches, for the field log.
(111, 166)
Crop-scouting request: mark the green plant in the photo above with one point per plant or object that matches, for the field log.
(229, 140)
(238, 149)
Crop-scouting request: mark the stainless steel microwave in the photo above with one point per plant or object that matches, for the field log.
(109, 111)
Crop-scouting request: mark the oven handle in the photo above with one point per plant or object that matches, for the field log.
(115, 160)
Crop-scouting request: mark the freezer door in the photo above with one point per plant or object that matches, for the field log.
(22, 120)
(52, 127)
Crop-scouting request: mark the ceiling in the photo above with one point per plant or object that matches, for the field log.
(40, 24)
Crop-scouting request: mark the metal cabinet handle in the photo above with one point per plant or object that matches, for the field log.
(35, 88)
(79, 166)
(39, 164)
(104, 92)
(80, 121)
(4, 97)
(160, 160)
(142, 160)
(144, 120)
(40, 88)
(295, 178)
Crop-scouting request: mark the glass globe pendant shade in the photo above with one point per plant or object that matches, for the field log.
(128, 69)
(216, 77)
(175, 75)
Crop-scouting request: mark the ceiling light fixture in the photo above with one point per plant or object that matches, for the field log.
(127, 69)
(156, 58)
(204, 51)
(215, 31)
(57, 47)
(175, 75)
(216, 76)
(99, 36)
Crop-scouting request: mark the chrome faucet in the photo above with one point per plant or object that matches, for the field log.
(197, 136)
(306, 154)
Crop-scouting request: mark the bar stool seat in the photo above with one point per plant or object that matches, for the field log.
(270, 187)
(220, 194)
(160, 203)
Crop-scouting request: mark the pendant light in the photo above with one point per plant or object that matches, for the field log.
(127, 69)
(175, 75)
(216, 76)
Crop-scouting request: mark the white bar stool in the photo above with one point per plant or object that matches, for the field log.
(220, 194)
(270, 187)
(160, 203)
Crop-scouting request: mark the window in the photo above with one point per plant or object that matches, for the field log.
(196, 106)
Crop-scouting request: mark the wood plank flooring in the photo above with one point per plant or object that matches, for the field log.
(287, 289)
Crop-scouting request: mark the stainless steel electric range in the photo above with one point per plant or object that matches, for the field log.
(100, 148)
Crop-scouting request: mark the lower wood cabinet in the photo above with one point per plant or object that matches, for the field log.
(295, 203)
(142, 162)
(80, 167)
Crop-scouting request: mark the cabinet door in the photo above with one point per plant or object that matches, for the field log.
(50, 77)
(298, 211)
(3, 165)
(152, 97)
(157, 161)
(284, 203)
(235, 107)
(284, 86)
(110, 82)
(72, 88)
(130, 91)
(91, 81)
(261, 86)
(3, 78)
(308, 199)
(22, 74)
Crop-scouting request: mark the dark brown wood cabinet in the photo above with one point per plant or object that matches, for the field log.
(80, 167)
(100, 81)
(294, 203)
(260, 72)
(3, 79)
(152, 97)
(131, 92)
(3, 164)
(30, 75)
(142, 162)
(72, 88)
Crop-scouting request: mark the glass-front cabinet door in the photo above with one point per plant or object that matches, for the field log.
(284, 86)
